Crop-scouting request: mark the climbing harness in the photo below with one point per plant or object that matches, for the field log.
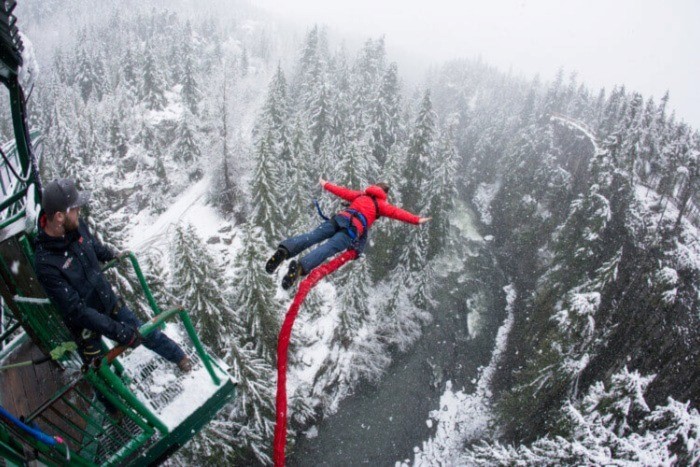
(359, 242)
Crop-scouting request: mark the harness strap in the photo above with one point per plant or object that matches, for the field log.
(376, 207)
(353, 214)
(361, 217)
(318, 209)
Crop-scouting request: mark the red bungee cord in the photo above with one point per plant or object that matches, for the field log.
(283, 344)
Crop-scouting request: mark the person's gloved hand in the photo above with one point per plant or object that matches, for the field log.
(135, 339)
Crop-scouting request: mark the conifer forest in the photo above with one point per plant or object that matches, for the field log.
(563, 246)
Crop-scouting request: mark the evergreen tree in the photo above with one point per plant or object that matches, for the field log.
(275, 120)
(196, 279)
(387, 235)
(254, 295)
(400, 320)
(276, 108)
(312, 66)
(190, 89)
(384, 118)
(319, 116)
(89, 143)
(415, 271)
(265, 194)
(250, 423)
(226, 194)
(341, 131)
(353, 167)
(118, 141)
(633, 132)
(419, 157)
(353, 300)
(691, 171)
(154, 265)
(245, 427)
(86, 75)
(302, 179)
(244, 63)
(611, 114)
(442, 192)
(68, 164)
(129, 79)
(148, 138)
(152, 90)
(368, 70)
(187, 146)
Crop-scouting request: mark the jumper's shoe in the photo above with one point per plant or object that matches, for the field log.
(292, 275)
(185, 365)
(276, 259)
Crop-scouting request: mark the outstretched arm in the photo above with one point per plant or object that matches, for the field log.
(389, 210)
(345, 193)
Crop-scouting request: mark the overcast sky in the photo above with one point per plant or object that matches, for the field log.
(650, 46)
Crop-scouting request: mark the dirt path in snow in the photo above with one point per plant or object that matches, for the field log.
(153, 234)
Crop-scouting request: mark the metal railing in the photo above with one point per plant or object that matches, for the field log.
(160, 316)
(13, 189)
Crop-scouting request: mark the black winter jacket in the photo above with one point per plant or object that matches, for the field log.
(69, 269)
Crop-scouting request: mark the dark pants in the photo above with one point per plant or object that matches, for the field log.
(336, 230)
(156, 340)
(91, 347)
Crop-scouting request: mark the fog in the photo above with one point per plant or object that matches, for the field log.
(649, 46)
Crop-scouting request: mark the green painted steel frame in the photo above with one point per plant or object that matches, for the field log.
(161, 317)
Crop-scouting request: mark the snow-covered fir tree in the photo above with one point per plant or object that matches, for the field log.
(152, 89)
(265, 191)
(197, 280)
(254, 294)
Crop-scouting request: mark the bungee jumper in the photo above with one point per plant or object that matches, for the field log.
(347, 229)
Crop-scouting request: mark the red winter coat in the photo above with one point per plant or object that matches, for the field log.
(361, 201)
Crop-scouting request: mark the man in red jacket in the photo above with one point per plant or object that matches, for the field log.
(345, 230)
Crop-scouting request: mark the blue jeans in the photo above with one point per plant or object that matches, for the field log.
(335, 231)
